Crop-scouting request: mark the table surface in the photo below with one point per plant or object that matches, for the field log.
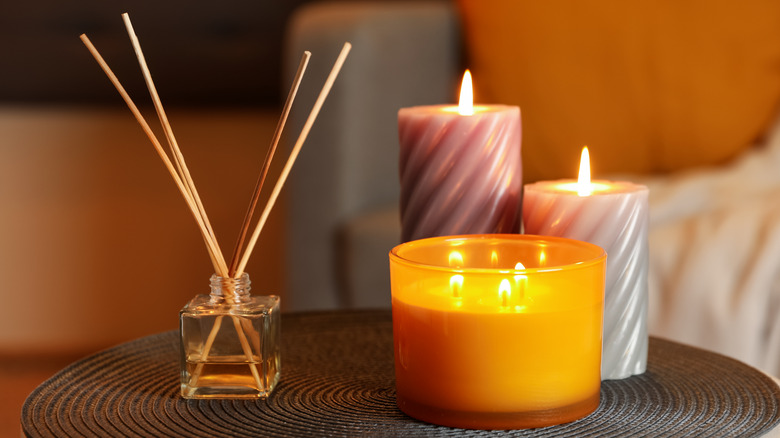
(338, 380)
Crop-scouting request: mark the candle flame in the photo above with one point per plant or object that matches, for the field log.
(456, 284)
(456, 281)
(520, 280)
(584, 186)
(466, 102)
(456, 259)
(504, 292)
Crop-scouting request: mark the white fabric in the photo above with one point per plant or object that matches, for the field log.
(715, 257)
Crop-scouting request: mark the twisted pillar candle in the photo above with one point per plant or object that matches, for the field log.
(613, 217)
(460, 174)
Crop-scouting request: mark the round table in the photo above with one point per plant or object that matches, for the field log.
(338, 380)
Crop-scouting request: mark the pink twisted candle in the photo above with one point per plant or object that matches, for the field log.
(614, 216)
(460, 174)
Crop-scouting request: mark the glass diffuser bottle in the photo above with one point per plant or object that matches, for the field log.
(230, 342)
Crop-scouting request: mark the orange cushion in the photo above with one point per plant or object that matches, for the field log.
(647, 85)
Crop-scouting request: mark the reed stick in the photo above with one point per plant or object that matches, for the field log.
(248, 352)
(267, 162)
(184, 172)
(280, 182)
(293, 155)
(195, 376)
(210, 246)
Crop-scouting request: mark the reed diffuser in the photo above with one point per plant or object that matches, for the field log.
(230, 339)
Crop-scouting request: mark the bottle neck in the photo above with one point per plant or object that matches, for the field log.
(230, 289)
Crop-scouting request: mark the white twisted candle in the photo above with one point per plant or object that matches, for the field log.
(614, 217)
(460, 174)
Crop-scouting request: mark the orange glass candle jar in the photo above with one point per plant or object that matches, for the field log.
(497, 331)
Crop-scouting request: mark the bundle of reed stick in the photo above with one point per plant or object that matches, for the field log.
(177, 167)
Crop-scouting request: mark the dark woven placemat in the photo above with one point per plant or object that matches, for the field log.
(337, 380)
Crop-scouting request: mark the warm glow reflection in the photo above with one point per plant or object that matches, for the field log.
(456, 284)
(466, 102)
(494, 258)
(504, 292)
(456, 259)
(584, 187)
(542, 258)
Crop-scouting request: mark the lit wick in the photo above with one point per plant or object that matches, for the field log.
(456, 281)
(504, 292)
(456, 284)
(521, 280)
(584, 187)
(466, 101)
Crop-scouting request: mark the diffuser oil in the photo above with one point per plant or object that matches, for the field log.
(230, 342)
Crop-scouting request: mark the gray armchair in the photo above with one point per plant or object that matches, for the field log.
(343, 192)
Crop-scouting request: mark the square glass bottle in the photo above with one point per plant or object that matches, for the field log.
(230, 342)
